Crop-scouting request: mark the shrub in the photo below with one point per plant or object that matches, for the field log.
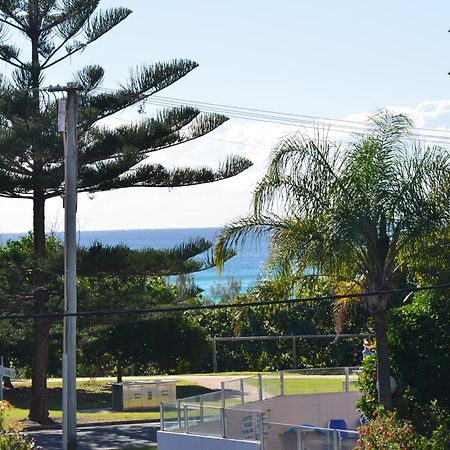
(367, 383)
(11, 439)
(386, 431)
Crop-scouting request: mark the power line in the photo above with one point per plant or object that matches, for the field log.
(288, 119)
(174, 309)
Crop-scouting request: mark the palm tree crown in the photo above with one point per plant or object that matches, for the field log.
(354, 213)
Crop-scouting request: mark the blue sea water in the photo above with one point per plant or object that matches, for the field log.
(245, 266)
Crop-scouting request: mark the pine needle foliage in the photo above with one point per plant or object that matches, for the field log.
(31, 149)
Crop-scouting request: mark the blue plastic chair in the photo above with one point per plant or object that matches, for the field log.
(341, 426)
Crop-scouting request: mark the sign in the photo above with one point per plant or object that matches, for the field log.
(248, 429)
(7, 372)
(251, 425)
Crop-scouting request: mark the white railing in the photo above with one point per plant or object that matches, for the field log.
(184, 414)
(304, 437)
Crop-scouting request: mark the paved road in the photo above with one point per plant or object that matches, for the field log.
(101, 437)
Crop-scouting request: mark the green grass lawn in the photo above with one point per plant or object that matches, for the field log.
(303, 384)
(91, 395)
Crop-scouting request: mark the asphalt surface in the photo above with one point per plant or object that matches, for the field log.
(101, 437)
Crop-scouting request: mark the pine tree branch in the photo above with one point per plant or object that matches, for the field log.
(101, 177)
(144, 82)
(95, 28)
(56, 50)
(62, 58)
(6, 22)
(8, 61)
(4, 8)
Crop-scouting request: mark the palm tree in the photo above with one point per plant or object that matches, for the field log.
(354, 213)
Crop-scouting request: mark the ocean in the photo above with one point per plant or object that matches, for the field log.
(244, 267)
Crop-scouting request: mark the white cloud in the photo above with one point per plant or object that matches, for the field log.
(196, 206)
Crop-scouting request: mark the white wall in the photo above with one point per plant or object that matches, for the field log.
(177, 441)
(311, 409)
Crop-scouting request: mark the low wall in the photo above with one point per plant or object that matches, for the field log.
(171, 441)
(304, 409)
(311, 409)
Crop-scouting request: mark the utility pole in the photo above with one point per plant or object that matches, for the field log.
(67, 118)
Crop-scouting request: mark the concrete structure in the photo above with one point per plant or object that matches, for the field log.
(265, 413)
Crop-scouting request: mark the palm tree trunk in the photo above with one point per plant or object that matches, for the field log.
(383, 373)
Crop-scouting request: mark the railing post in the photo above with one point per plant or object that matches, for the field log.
(161, 415)
(347, 379)
(281, 383)
(261, 429)
(222, 393)
(294, 353)
(214, 354)
(241, 382)
(299, 438)
(335, 440)
(260, 387)
(186, 419)
(179, 413)
(222, 423)
(201, 409)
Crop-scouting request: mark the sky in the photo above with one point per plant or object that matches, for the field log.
(328, 59)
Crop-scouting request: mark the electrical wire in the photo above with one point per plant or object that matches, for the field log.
(173, 309)
(306, 121)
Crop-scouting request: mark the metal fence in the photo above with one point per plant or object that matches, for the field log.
(218, 413)
(228, 352)
(254, 426)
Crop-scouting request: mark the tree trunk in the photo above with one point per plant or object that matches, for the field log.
(7, 383)
(41, 326)
(119, 372)
(383, 373)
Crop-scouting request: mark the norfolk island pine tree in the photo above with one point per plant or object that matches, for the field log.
(31, 157)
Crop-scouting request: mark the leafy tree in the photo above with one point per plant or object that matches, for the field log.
(420, 346)
(31, 157)
(309, 318)
(155, 345)
(353, 214)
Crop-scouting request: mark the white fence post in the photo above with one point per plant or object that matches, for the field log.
(179, 413)
(222, 423)
(222, 393)
(347, 379)
(186, 419)
(299, 438)
(281, 382)
(260, 386)
(261, 429)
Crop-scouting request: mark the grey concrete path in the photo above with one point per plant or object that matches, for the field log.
(101, 437)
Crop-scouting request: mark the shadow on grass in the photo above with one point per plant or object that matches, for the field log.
(88, 397)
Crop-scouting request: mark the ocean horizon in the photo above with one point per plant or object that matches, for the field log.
(245, 267)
